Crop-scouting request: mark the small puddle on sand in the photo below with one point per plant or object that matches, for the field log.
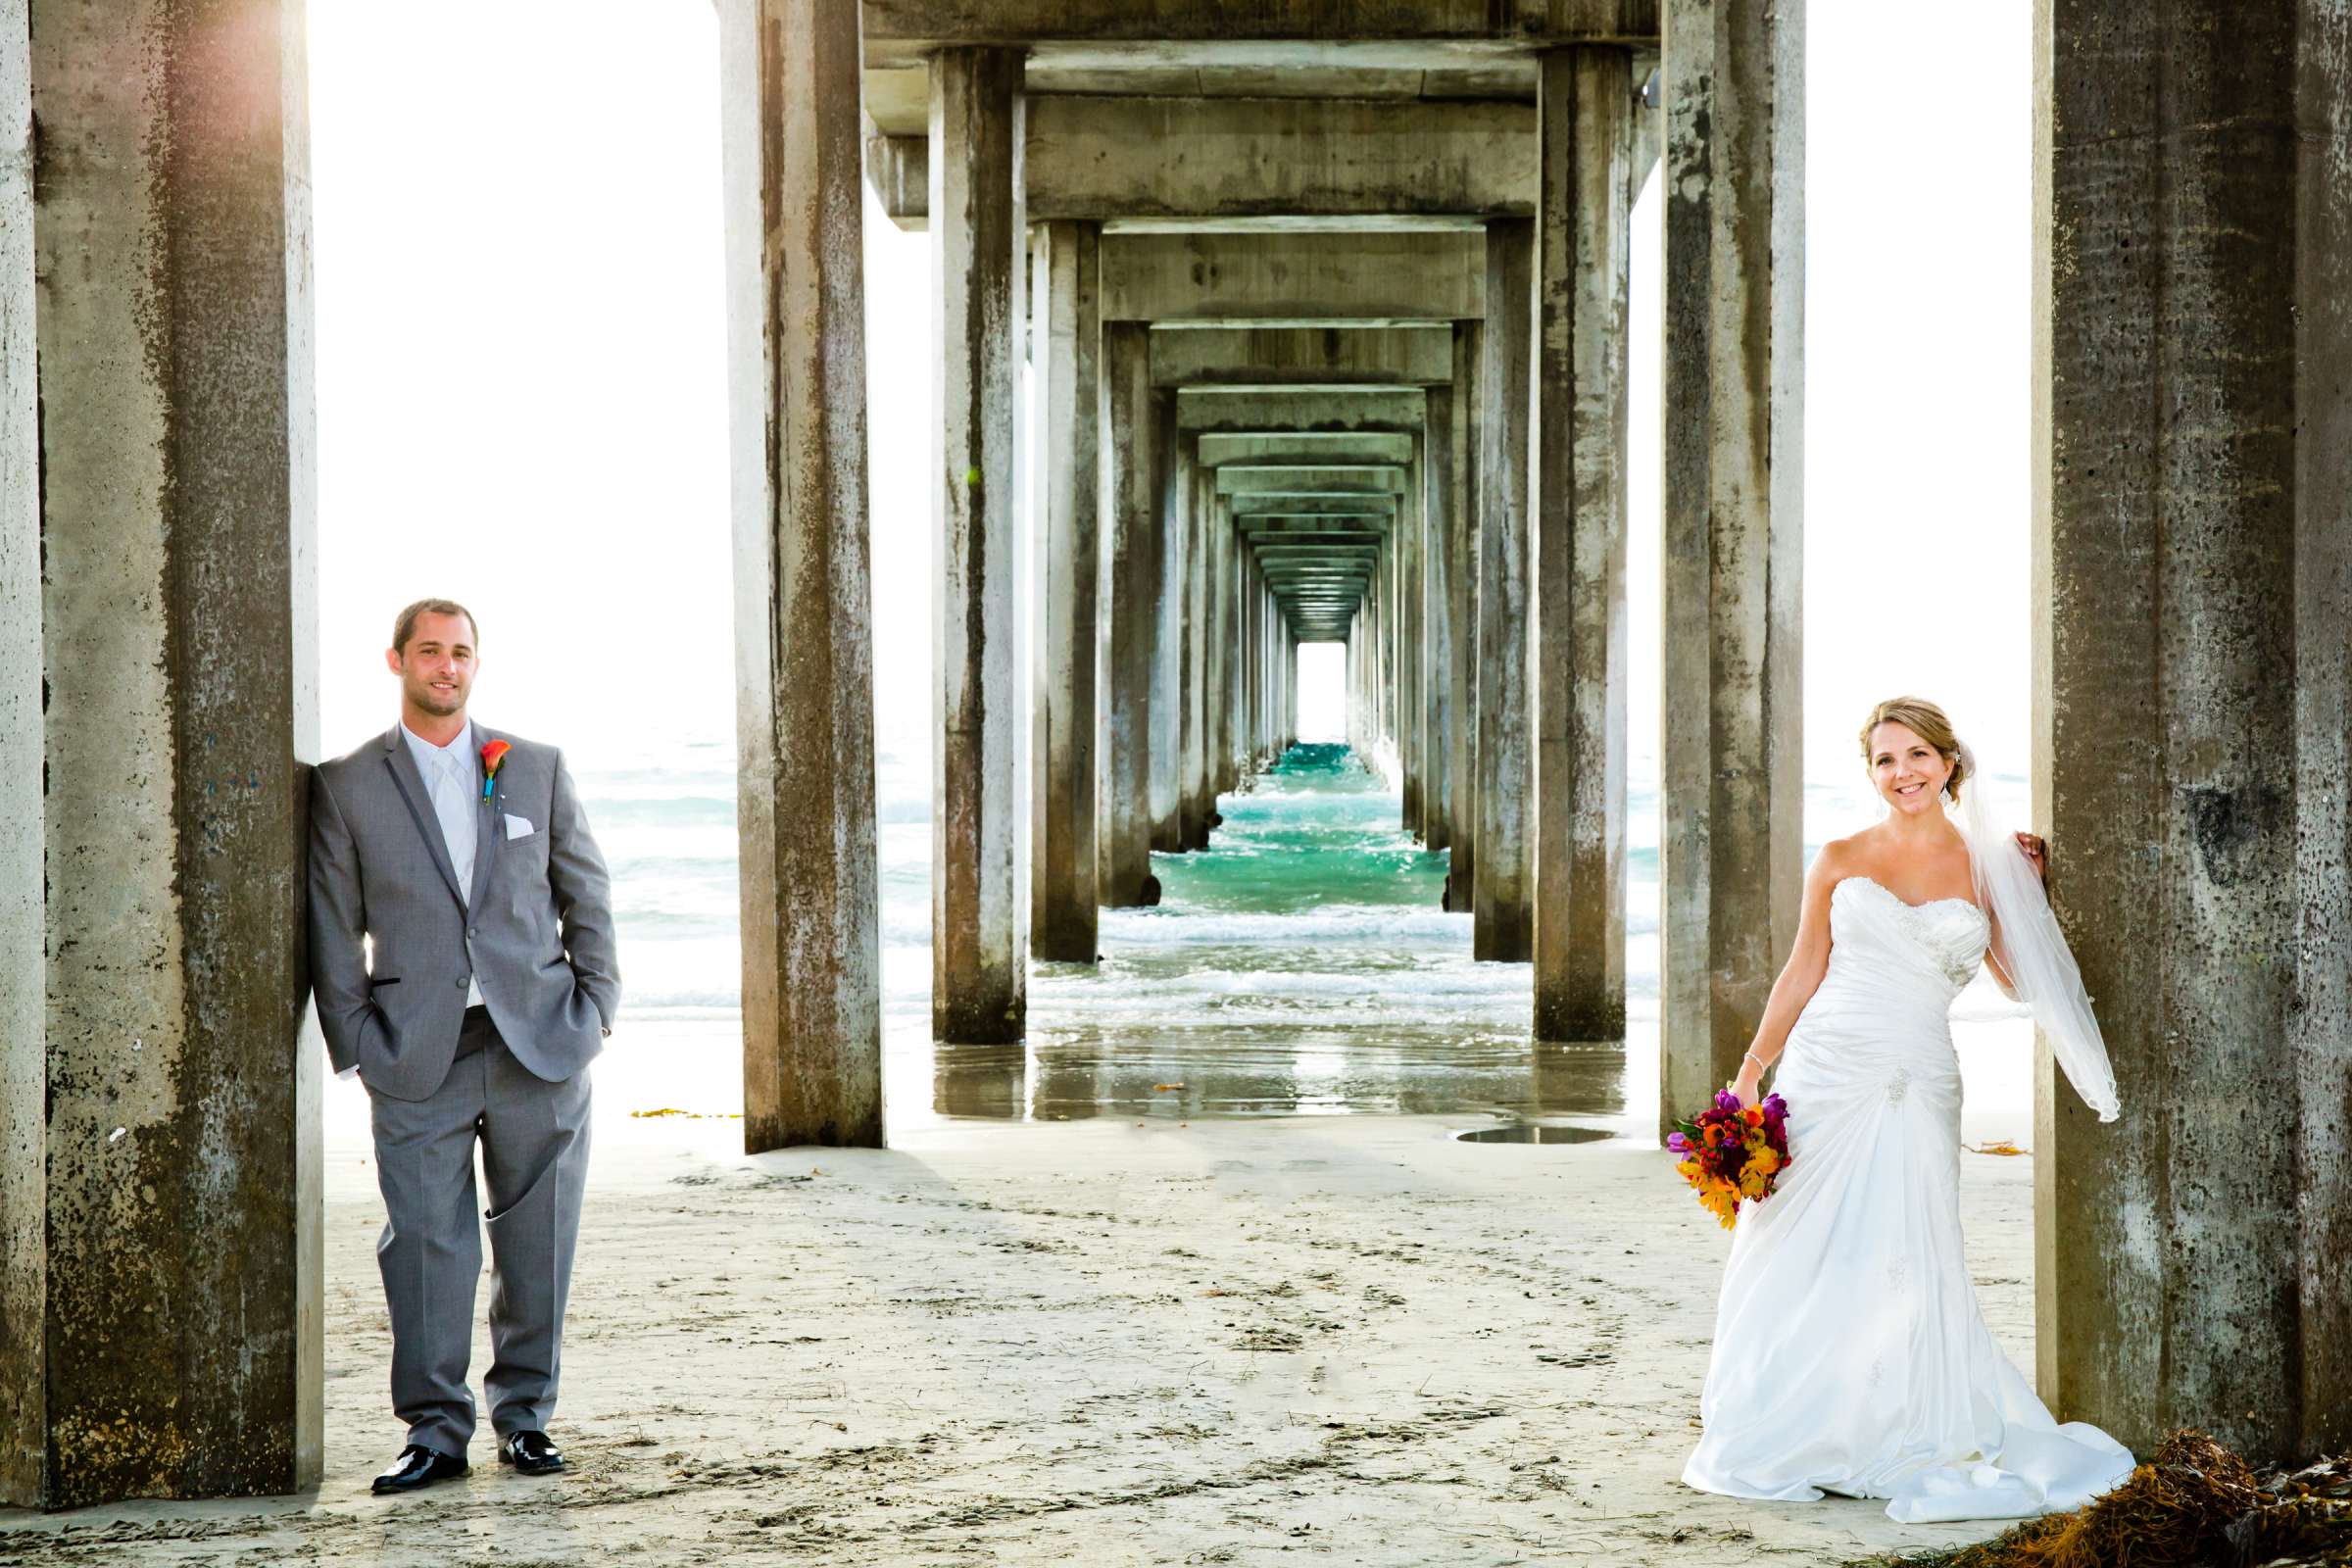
(1526, 1133)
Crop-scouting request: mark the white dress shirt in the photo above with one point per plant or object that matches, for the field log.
(453, 774)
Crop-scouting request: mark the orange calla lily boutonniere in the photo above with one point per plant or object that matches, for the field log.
(492, 755)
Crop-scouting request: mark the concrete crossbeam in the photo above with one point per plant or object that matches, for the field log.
(1260, 480)
(1312, 275)
(1314, 411)
(1107, 158)
(1297, 514)
(1299, 446)
(1307, 530)
(1189, 33)
(1405, 356)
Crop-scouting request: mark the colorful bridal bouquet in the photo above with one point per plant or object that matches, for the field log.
(1730, 1152)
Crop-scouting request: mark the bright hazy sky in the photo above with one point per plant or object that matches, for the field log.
(523, 379)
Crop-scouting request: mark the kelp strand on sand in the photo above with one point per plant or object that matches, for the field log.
(2192, 1504)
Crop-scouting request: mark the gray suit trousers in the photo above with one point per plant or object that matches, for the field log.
(534, 1141)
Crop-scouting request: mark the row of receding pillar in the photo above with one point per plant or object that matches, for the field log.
(1488, 634)
(1490, 655)
(1158, 684)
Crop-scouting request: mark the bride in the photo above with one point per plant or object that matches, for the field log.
(1849, 1353)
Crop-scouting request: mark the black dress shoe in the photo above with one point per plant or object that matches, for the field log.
(531, 1454)
(419, 1466)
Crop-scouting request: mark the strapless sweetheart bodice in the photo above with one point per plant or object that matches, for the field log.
(1950, 934)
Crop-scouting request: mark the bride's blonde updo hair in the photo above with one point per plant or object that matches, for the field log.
(1926, 720)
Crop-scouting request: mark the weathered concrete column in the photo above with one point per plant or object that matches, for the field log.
(1732, 818)
(1229, 650)
(1583, 261)
(1066, 369)
(1290, 689)
(1438, 523)
(1405, 600)
(2192, 584)
(1214, 529)
(1383, 584)
(1365, 660)
(1269, 660)
(160, 1244)
(1461, 748)
(1130, 613)
(1196, 794)
(24, 946)
(1504, 930)
(1353, 725)
(979, 945)
(1175, 502)
(803, 639)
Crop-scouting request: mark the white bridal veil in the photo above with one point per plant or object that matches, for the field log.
(2031, 948)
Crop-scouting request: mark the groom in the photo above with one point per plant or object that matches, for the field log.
(461, 957)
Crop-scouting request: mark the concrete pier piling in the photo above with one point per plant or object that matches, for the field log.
(1130, 612)
(1165, 749)
(160, 1244)
(805, 801)
(979, 947)
(23, 911)
(1066, 271)
(1732, 812)
(1438, 523)
(1193, 795)
(1582, 262)
(1502, 906)
(1467, 440)
(2192, 584)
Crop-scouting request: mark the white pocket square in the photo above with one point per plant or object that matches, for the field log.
(519, 827)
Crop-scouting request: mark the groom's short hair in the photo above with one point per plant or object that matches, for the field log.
(405, 626)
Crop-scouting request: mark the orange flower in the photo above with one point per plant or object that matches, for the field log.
(493, 753)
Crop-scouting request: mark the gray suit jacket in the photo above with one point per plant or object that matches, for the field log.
(534, 931)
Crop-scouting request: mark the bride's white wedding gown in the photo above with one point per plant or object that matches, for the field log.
(1849, 1353)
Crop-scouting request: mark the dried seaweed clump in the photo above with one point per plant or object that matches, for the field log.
(2192, 1504)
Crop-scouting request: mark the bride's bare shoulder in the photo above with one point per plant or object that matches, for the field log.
(1842, 858)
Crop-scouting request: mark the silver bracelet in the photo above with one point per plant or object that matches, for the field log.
(1761, 1064)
